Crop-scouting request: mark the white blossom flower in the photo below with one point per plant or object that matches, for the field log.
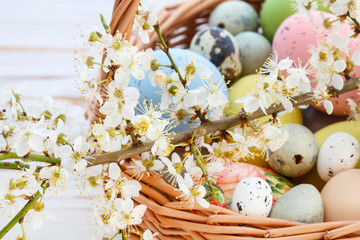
(28, 139)
(174, 166)
(74, 158)
(37, 216)
(103, 209)
(145, 165)
(341, 7)
(321, 97)
(303, 7)
(272, 66)
(145, 19)
(118, 184)
(158, 133)
(240, 146)
(8, 101)
(328, 73)
(354, 110)
(268, 137)
(9, 208)
(126, 215)
(57, 176)
(191, 193)
(30, 183)
(298, 77)
(93, 181)
(109, 139)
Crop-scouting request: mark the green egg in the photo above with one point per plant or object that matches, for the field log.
(272, 14)
(302, 203)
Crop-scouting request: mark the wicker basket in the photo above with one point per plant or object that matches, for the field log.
(166, 214)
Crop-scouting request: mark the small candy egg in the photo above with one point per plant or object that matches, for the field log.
(254, 49)
(302, 203)
(339, 152)
(182, 58)
(220, 47)
(298, 154)
(252, 197)
(341, 196)
(235, 17)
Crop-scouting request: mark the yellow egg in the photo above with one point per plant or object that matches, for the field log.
(321, 135)
(242, 87)
(257, 158)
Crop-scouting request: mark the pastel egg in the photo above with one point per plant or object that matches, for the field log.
(273, 13)
(298, 154)
(339, 152)
(292, 39)
(220, 47)
(254, 49)
(235, 172)
(252, 197)
(341, 196)
(182, 58)
(302, 203)
(235, 17)
(321, 135)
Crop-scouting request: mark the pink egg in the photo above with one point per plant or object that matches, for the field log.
(293, 38)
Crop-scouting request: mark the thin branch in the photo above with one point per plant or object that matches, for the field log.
(30, 158)
(165, 49)
(20, 216)
(214, 126)
(14, 165)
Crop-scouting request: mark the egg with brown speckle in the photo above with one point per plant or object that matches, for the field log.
(298, 154)
(339, 152)
(252, 197)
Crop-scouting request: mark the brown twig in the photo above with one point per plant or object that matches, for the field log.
(214, 126)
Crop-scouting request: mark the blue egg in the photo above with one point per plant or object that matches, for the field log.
(182, 58)
(254, 49)
(234, 16)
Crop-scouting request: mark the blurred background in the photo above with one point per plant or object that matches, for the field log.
(37, 58)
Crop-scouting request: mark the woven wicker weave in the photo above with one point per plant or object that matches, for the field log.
(166, 215)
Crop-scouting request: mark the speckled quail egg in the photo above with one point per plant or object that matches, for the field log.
(220, 47)
(252, 197)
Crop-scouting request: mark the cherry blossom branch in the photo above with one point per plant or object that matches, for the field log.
(21, 214)
(30, 158)
(214, 126)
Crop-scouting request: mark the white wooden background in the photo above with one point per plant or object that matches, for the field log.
(36, 51)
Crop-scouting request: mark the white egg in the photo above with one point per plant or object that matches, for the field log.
(252, 197)
(339, 152)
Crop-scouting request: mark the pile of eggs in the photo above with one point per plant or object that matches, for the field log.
(321, 165)
(269, 192)
(314, 177)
